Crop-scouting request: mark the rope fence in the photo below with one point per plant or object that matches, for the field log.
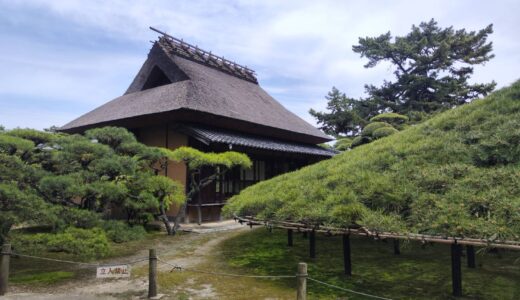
(77, 262)
(301, 276)
(179, 268)
(346, 290)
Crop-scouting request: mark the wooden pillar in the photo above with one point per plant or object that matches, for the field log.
(289, 237)
(152, 274)
(456, 271)
(397, 250)
(312, 244)
(470, 255)
(301, 284)
(347, 262)
(4, 268)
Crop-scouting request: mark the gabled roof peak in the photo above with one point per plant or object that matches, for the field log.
(179, 47)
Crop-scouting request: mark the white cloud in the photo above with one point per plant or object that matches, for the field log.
(299, 48)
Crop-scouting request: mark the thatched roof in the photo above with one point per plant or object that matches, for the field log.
(177, 78)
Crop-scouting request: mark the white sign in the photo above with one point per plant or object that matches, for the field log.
(113, 271)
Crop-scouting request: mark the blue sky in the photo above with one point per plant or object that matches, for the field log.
(60, 59)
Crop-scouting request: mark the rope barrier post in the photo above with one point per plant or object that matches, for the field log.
(470, 253)
(289, 238)
(152, 274)
(397, 250)
(312, 244)
(301, 277)
(4, 268)
(347, 262)
(456, 272)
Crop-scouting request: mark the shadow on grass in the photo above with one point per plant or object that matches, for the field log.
(420, 272)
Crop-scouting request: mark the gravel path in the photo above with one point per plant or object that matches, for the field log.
(188, 250)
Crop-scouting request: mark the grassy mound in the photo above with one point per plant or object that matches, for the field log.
(457, 174)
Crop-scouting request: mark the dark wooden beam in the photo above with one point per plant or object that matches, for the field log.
(312, 244)
(456, 270)
(347, 264)
(289, 237)
(397, 250)
(470, 255)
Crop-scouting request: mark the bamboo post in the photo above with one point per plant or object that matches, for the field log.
(301, 284)
(4, 268)
(152, 274)
(289, 237)
(347, 262)
(312, 244)
(397, 249)
(470, 255)
(456, 272)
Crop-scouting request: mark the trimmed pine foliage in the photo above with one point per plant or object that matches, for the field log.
(457, 174)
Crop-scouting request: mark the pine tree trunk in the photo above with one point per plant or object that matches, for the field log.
(179, 216)
(164, 218)
(169, 228)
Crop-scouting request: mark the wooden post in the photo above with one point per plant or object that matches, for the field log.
(301, 282)
(152, 274)
(347, 263)
(312, 244)
(304, 234)
(289, 238)
(470, 253)
(456, 272)
(4, 268)
(397, 250)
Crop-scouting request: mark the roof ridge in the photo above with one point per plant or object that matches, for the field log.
(181, 48)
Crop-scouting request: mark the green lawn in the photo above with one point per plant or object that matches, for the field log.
(420, 272)
(38, 273)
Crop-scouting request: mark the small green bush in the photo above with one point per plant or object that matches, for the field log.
(360, 140)
(87, 243)
(36, 136)
(119, 232)
(343, 144)
(390, 118)
(76, 217)
(383, 131)
(370, 128)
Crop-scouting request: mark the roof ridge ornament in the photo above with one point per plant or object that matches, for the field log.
(182, 48)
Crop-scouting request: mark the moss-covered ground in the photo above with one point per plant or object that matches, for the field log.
(40, 273)
(419, 272)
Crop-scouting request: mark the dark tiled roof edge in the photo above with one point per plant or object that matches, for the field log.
(208, 136)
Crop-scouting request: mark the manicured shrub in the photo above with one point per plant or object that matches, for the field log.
(456, 174)
(370, 128)
(13, 144)
(390, 118)
(111, 136)
(119, 232)
(343, 144)
(360, 140)
(76, 217)
(36, 136)
(383, 132)
(86, 243)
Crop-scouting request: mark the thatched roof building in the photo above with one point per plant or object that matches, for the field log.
(184, 95)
